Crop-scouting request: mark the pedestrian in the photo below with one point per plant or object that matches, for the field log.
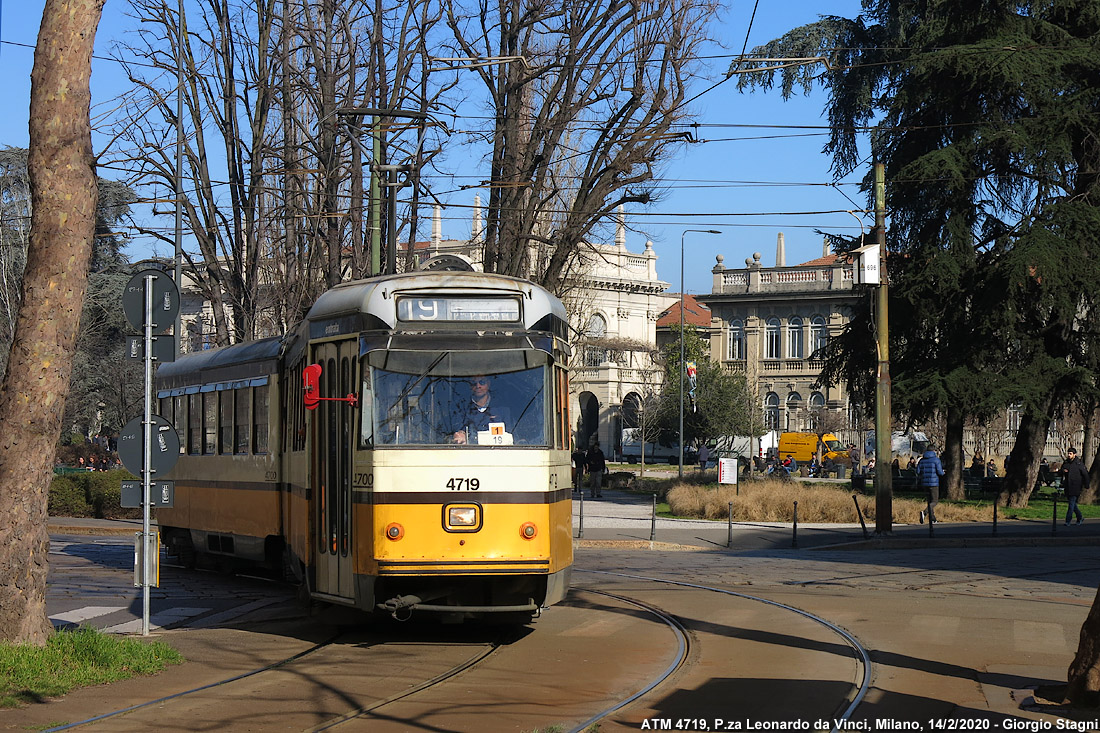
(991, 469)
(853, 457)
(977, 464)
(1074, 478)
(871, 466)
(912, 463)
(704, 456)
(596, 467)
(929, 471)
(579, 461)
(895, 467)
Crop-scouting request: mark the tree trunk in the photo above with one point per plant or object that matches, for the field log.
(1089, 456)
(1023, 461)
(953, 455)
(1084, 671)
(32, 396)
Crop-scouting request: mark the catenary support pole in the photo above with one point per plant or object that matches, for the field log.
(884, 488)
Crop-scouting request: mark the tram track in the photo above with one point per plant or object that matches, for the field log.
(197, 695)
(860, 653)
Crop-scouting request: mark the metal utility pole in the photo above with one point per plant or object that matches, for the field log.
(884, 484)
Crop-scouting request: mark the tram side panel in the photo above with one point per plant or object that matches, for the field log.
(227, 497)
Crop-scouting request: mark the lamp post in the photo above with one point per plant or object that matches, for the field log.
(698, 231)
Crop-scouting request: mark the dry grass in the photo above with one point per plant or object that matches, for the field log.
(773, 501)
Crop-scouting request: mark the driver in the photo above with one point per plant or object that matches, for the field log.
(476, 414)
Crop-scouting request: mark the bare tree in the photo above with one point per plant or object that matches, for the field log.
(585, 97)
(32, 396)
(15, 233)
(274, 170)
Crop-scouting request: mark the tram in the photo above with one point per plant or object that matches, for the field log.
(405, 449)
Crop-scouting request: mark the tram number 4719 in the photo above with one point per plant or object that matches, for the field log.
(464, 484)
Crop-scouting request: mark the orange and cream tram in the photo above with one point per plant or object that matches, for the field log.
(405, 449)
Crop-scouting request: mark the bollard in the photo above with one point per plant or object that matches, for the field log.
(928, 516)
(653, 521)
(580, 524)
(1054, 519)
(729, 534)
(794, 535)
(859, 514)
(994, 518)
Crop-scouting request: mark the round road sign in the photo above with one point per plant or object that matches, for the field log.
(165, 451)
(166, 300)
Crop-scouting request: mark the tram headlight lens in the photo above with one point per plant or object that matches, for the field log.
(528, 530)
(462, 516)
(394, 531)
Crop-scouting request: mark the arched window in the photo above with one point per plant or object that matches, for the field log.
(817, 411)
(773, 346)
(794, 337)
(596, 328)
(736, 341)
(818, 335)
(794, 404)
(771, 411)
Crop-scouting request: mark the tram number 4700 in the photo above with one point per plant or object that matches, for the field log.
(464, 484)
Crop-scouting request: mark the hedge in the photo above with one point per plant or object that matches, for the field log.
(95, 494)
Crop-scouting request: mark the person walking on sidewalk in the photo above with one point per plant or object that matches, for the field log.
(596, 466)
(1074, 478)
(579, 461)
(929, 471)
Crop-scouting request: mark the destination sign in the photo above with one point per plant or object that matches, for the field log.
(459, 309)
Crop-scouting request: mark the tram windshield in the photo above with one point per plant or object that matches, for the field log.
(469, 398)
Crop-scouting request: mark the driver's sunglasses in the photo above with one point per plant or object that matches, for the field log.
(476, 382)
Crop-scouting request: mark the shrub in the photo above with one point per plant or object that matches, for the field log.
(91, 494)
(67, 498)
(105, 494)
(773, 501)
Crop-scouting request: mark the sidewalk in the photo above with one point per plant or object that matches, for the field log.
(628, 517)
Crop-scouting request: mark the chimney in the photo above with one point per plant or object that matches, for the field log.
(475, 229)
(437, 227)
(825, 251)
(780, 252)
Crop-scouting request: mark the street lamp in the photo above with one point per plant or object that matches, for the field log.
(698, 231)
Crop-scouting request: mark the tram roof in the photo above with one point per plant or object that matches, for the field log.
(239, 361)
(373, 297)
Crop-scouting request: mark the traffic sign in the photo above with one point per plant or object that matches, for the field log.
(166, 300)
(161, 493)
(164, 348)
(163, 454)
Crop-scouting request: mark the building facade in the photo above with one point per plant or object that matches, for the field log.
(767, 322)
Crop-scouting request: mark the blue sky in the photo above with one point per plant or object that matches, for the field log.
(728, 183)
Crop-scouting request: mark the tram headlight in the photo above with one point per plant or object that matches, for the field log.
(394, 531)
(462, 516)
(528, 530)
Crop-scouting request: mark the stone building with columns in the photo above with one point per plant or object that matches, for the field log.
(767, 322)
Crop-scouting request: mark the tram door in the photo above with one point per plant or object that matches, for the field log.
(334, 431)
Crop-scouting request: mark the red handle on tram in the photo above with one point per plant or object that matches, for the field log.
(311, 378)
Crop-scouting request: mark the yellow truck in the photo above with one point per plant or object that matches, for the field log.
(803, 446)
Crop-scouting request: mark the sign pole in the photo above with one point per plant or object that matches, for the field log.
(147, 448)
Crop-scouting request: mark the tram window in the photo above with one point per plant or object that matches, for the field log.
(297, 402)
(179, 419)
(242, 422)
(259, 427)
(225, 429)
(430, 398)
(194, 424)
(366, 410)
(209, 423)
